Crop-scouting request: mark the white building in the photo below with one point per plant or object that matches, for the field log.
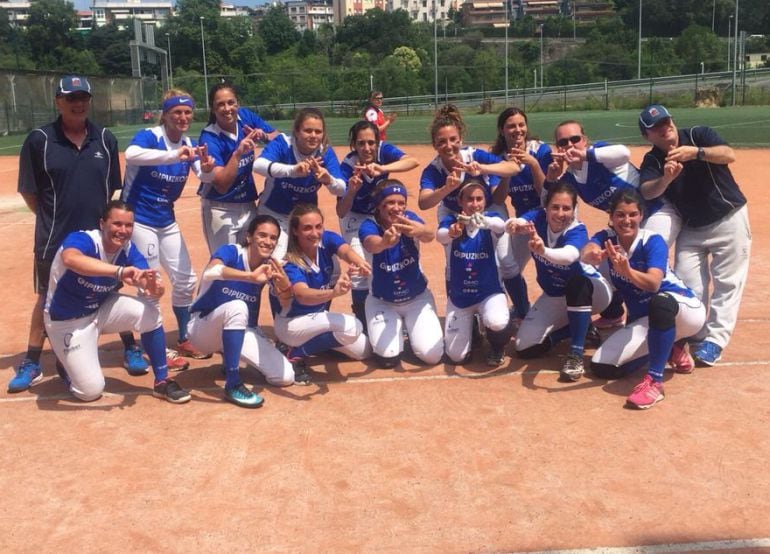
(120, 12)
(423, 10)
(18, 10)
(308, 14)
(230, 10)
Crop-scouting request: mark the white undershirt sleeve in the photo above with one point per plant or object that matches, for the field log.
(565, 255)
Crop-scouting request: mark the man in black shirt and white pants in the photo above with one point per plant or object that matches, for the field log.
(690, 167)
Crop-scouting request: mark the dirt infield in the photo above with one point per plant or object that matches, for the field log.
(421, 459)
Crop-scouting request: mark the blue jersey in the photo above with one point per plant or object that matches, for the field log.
(221, 146)
(553, 277)
(473, 272)
(213, 294)
(282, 194)
(396, 274)
(647, 251)
(72, 295)
(521, 187)
(152, 189)
(317, 277)
(434, 176)
(363, 202)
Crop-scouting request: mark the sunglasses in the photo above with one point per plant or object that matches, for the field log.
(574, 139)
(76, 97)
(378, 97)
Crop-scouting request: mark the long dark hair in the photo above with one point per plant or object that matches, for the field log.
(359, 126)
(256, 222)
(213, 92)
(501, 147)
(311, 113)
(559, 187)
(628, 195)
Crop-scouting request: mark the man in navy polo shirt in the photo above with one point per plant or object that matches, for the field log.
(690, 167)
(68, 171)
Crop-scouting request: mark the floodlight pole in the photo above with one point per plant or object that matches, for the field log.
(205, 71)
(639, 45)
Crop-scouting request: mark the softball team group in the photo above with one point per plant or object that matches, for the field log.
(279, 239)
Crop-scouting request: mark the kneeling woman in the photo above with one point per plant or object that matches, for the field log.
(306, 325)
(661, 309)
(571, 291)
(474, 284)
(83, 303)
(224, 316)
(399, 290)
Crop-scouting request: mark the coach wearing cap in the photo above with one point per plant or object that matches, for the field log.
(68, 171)
(690, 167)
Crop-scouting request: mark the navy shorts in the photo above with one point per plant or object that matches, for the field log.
(41, 276)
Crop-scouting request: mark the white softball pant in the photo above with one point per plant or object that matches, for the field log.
(225, 222)
(549, 313)
(349, 225)
(385, 321)
(165, 247)
(75, 341)
(458, 328)
(512, 255)
(258, 351)
(666, 222)
(283, 223)
(630, 342)
(347, 330)
(728, 242)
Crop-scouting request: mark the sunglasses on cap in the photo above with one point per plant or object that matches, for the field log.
(574, 139)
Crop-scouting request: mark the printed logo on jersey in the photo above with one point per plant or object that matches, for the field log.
(98, 155)
(67, 340)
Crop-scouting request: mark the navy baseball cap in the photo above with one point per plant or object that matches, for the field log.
(73, 83)
(652, 115)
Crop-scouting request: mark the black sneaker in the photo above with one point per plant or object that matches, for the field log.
(593, 338)
(301, 375)
(573, 369)
(495, 357)
(171, 391)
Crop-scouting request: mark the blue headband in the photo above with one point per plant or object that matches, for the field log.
(175, 101)
(391, 189)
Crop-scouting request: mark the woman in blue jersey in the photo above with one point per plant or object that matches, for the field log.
(295, 167)
(369, 162)
(306, 325)
(158, 162)
(228, 201)
(571, 291)
(474, 284)
(399, 295)
(525, 191)
(224, 315)
(662, 311)
(83, 304)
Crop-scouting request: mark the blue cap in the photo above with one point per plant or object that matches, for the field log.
(652, 115)
(73, 83)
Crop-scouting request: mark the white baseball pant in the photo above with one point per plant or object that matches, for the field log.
(458, 327)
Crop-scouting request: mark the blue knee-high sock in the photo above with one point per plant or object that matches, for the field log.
(182, 314)
(579, 322)
(154, 343)
(560, 334)
(316, 345)
(517, 290)
(359, 296)
(232, 344)
(659, 343)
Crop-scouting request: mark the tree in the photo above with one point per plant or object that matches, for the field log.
(698, 44)
(277, 30)
(48, 31)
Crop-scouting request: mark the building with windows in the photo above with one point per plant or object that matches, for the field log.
(484, 14)
(308, 14)
(120, 12)
(230, 10)
(423, 10)
(17, 10)
(344, 8)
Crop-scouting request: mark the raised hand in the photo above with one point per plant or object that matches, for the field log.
(363, 269)
(187, 153)
(618, 259)
(343, 285)
(249, 141)
(391, 236)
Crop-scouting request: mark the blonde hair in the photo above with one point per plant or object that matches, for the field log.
(170, 93)
(294, 253)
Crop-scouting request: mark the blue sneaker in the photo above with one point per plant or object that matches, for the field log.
(243, 397)
(706, 353)
(134, 362)
(27, 375)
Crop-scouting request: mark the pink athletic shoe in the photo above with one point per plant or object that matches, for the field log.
(610, 322)
(680, 359)
(646, 394)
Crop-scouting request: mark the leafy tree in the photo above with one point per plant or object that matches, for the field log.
(109, 45)
(48, 31)
(698, 44)
(277, 30)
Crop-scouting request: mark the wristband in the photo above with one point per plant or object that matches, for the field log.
(119, 273)
(269, 167)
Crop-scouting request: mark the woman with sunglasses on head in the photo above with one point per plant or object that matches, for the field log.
(225, 313)
(158, 162)
(571, 291)
(662, 311)
(306, 325)
(374, 114)
(369, 162)
(525, 190)
(474, 284)
(229, 199)
(399, 295)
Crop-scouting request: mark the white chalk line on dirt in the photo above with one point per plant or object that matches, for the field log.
(738, 544)
(492, 373)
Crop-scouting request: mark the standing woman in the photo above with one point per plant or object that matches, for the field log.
(399, 291)
(158, 161)
(474, 284)
(374, 114)
(228, 200)
(369, 162)
(295, 167)
(306, 325)
(571, 291)
(225, 313)
(662, 311)
(525, 190)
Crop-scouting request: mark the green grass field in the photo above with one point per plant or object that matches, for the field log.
(741, 126)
